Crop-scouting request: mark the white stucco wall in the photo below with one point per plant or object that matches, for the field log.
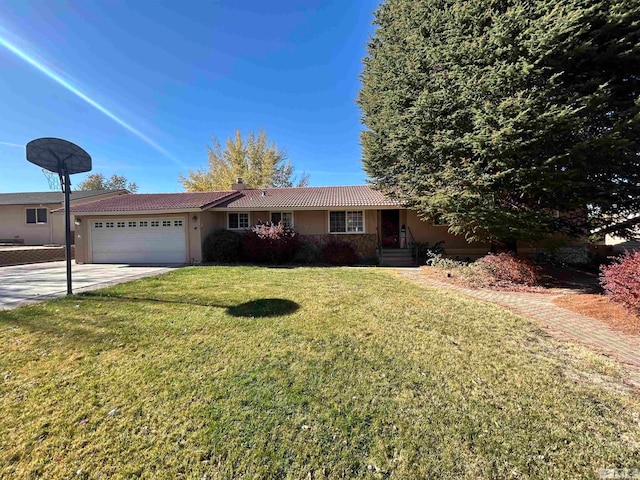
(13, 224)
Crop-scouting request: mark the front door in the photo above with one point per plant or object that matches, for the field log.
(390, 228)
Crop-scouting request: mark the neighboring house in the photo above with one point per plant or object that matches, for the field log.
(623, 244)
(26, 218)
(170, 227)
(620, 244)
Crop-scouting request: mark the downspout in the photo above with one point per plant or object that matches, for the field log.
(50, 219)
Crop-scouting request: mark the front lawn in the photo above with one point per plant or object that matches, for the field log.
(242, 372)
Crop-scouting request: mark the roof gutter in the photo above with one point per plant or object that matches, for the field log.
(265, 208)
(133, 212)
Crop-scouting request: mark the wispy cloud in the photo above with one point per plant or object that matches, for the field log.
(9, 144)
(20, 53)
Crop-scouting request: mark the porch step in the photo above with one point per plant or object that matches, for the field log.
(397, 257)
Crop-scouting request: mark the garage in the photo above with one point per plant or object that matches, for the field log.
(138, 240)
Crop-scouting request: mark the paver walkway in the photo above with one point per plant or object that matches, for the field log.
(561, 323)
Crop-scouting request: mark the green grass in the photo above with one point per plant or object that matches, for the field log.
(225, 372)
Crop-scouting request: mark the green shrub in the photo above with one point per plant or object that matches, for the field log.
(337, 252)
(422, 252)
(437, 260)
(222, 246)
(307, 252)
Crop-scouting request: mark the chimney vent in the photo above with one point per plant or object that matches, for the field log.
(239, 185)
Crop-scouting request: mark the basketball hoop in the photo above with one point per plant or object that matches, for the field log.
(61, 158)
(52, 180)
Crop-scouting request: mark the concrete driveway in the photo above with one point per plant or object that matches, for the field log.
(22, 284)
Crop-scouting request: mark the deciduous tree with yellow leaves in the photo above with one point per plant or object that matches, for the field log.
(255, 159)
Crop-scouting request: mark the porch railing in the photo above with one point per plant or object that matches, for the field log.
(411, 244)
(411, 241)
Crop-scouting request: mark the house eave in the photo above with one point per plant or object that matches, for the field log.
(301, 209)
(134, 212)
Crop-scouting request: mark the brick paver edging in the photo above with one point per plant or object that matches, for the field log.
(561, 323)
(27, 255)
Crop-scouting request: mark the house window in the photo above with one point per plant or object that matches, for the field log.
(238, 220)
(346, 222)
(177, 223)
(144, 223)
(98, 225)
(108, 224)
(155, 223)
(132, 224)
(285, 217)
(166, 223)
(120, 224)
(36, 215)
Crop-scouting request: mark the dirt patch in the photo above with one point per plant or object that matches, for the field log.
(599, 307)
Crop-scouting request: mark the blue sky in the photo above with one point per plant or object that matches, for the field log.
(159, 78)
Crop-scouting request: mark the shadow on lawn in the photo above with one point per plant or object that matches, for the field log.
(264, 307)
(261, 308)
(99, 329)
(114, 297)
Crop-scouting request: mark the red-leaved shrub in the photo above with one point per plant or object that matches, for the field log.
(506, 269)
(621, 281)
(270, 243)
(336, 252)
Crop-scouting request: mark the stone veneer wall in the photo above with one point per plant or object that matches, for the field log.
(366, 244)
(21, 256)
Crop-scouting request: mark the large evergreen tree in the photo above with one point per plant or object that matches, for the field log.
(510, 119)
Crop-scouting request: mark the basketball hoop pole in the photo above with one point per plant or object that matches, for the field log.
(65, 182)
(67, 228)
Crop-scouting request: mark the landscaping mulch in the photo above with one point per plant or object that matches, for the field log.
(601, 308)
(584, 299)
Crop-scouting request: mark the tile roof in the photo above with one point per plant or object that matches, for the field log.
(137, 202)
(310, 197)
(299, 197)
(37, 198)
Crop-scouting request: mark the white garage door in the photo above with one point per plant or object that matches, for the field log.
(138, 240)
